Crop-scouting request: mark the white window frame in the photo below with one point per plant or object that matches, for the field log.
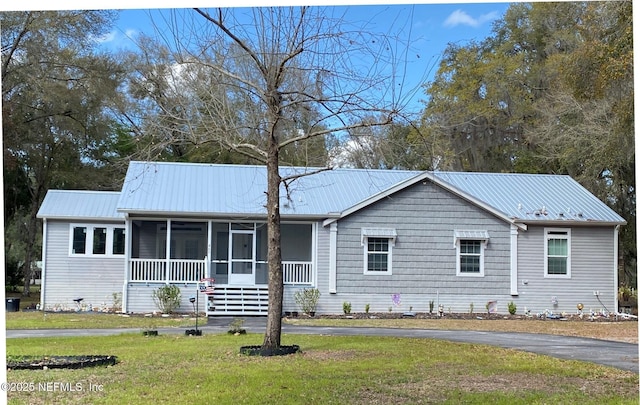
(89, 230)
(378, 233)
(482, 237)
(557, 233)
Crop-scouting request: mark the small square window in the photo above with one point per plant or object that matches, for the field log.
(377, 255)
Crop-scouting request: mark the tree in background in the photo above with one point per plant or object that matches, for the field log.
(551, 91)
(58, 102)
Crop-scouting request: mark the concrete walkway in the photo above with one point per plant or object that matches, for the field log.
(615, 354)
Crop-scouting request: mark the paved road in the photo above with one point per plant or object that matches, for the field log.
(615, 354)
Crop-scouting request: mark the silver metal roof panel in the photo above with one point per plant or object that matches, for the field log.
(531, 198)
(80, 205)
(210, 189)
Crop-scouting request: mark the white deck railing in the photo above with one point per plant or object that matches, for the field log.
(297, 272)
(181, 270)
(185, 271)
(148, 270)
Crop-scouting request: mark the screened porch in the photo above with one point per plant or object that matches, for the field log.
(233, 253)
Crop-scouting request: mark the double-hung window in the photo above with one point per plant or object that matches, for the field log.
(557, 252)
(470, 246)
(378, 245)
(96, 240)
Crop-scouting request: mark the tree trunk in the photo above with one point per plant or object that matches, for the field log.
(274, 257)
(32, 229)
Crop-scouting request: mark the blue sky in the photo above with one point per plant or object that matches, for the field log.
(430, 26)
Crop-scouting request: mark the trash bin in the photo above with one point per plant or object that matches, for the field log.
(13, 304)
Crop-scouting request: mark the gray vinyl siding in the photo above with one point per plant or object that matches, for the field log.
(95, 279)
(592, 269)
(424, 256)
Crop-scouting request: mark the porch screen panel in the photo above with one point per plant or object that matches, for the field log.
(188, 240)
(296, 242)
(262, 268)
(220, 252)
(149, 239)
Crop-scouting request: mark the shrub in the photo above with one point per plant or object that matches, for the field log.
(307, 299)
(167, 298)
(367, 308)
(512, 308)
(346, 307)
(431, 304)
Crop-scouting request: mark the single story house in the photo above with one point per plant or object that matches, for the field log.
(393, 240)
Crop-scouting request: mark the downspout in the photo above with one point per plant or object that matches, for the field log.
(44, 264)
(127, 263)
(333, 257)
(616, 231)
(514, 259)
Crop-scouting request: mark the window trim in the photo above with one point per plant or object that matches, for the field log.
(557, 233)
(482, 237)
(89, 237)
(378, 233)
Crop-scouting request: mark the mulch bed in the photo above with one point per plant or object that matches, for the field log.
(258, 351)
(476, 315)
(50, 362)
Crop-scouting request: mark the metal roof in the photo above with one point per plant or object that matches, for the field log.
(239, 190)
(235, 191)
(531, 198)
(81, 205)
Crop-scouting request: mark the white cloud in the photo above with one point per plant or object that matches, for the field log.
(459, 17)
(108, 37)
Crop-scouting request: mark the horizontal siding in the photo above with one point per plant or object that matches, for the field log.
(592, 269)
(95, 279)
(424, 257)
(140, 298)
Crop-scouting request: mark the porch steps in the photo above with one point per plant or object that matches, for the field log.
(239, 300)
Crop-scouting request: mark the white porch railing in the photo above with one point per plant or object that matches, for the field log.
(185, 271)
(181, 270)
(297, 272)
(148, 270)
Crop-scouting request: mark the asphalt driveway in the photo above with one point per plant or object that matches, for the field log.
(615, 354)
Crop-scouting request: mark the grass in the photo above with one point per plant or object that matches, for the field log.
(91, 320)
(176, 369)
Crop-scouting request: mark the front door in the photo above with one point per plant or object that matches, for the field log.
(242, 258)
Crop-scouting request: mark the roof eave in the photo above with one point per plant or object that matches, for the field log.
(559, 222)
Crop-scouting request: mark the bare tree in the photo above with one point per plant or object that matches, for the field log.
(261, 81)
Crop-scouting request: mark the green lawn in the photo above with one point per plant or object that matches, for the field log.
(176, 369)
(92, 320)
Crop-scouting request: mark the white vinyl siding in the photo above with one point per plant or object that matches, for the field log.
(557, 252)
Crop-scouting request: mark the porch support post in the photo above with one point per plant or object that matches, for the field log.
(514, 260)
(616, 263)
(168, 254)
(333, 257)
(127, 262)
